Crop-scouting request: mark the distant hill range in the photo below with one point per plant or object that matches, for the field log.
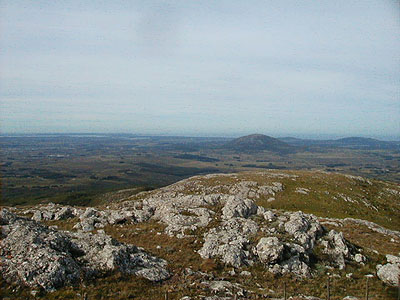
(259, 142)
(349, 142)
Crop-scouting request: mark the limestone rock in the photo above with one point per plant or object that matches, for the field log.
(392, 259)
(228, 241)
(305, 229)
(389, 273)
(119, 216)
(238, 207)
(37, 256)
(53, 211)
(269, 250)
(338, 248)
(64, 213)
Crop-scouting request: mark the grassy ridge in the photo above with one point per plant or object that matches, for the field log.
(330, 195)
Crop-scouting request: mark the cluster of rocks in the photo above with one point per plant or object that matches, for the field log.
(38, 256)
(286, 243)
(229, 242)
(284, 240)
(234, 230)
(358, 179)
(52, 211)
(89, 218)
(390, 272)
(228, 184)
(183, 213)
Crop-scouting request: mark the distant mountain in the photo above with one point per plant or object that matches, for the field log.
(348, 142)
(259, 142)
(359, 141)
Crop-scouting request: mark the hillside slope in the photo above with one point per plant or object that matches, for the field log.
(330, 195)
(215, 236)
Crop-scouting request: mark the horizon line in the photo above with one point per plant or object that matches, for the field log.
(322, 136)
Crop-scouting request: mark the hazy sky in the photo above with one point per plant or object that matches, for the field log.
(299, 68)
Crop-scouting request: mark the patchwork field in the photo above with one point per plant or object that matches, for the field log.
(77, 170)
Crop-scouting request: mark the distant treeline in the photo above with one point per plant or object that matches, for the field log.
(269, 166)
(197, 157)
(174, 170)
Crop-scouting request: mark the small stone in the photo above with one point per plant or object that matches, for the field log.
(269, 216)
(392, 259)
(359, 258)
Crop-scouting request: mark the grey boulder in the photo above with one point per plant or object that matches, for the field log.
(269, 250)
(38, 256)
(389, 273)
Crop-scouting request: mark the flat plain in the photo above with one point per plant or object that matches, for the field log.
(79, 169)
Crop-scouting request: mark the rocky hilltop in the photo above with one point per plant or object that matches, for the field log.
(217, 236)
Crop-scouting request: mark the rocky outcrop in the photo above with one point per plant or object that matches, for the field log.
(281, 256)
(389, 273)
(304, 228)
(89, 218)
(238, 207)
(179, 221)
(289, 240)
(100, 252)
(53, 211)
(224, 218)
(270, 250)
(294, 265)
(286, 239)
(38, 256)
(338, 248)
(228, 242)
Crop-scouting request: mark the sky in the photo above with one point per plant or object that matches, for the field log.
(201, 68)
